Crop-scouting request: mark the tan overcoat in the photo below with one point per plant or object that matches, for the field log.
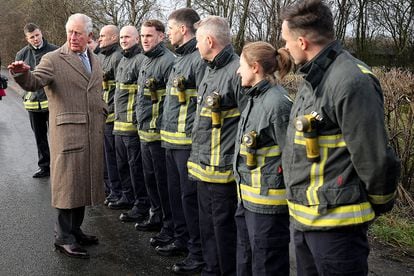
(76, 122)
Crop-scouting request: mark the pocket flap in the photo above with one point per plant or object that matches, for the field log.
(71, 118)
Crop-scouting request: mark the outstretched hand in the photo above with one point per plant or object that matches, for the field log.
(18, 67)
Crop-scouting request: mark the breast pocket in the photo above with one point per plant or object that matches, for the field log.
(71, 132)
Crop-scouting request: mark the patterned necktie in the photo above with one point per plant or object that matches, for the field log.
(85, 61)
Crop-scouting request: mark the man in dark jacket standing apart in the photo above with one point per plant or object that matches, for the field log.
(35, 102)
(72, 77)
(339, 171)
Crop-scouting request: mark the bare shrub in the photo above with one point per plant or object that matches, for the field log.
(398, 87)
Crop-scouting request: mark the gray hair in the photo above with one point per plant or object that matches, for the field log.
(87, 21)
(216, 26)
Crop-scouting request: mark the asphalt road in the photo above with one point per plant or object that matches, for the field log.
(27, 219)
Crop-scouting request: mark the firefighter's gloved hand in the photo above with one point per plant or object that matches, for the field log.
(383, 208)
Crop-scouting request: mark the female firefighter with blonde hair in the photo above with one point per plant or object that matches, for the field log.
(262, 217)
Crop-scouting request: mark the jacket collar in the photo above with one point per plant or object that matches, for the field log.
(44, 44)
(73, 60)
(314, 70)
(134, 50)
(260, 87)
(187, 48)
(158, 50)
(222, 58)
(108, 50)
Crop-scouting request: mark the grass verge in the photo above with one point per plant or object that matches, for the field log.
(395, 229)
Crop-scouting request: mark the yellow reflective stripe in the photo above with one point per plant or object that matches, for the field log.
(132, 88)
(256, 174)
(123, 126)
(230, 113)
(365, 70)
(130, 106)
(35, 105)
(336, 217)
(188, 92)
(271, 151)
(156, 106)
(316, 178)
(325, 141)
(261, 155)
(179, 138)
(28, 95)
(274, 196)
(381, 199)
(206, 112)
(148, 136)
(107, 85)
(155, 114)
(182, 116)
(209, 174)
(215, 146)
(44, 104)
(332, 141)
(160, 93)
(106, 96)
(112, 86)
(31, 105)
(317, 169)
(110, 118)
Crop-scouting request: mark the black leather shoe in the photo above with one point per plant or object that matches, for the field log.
(87, 239)
(41, 172)
(72, 250)
(187, 267)
(160, 240)
(120, 204)
(128, 217)
(110, 199)
(171, 250)
(148, 225)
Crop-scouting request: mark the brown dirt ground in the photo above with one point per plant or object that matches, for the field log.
(389, 260)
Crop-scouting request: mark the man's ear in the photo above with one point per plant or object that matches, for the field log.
(162, 36)
(303, 43)
(183, 29)
(210, 41)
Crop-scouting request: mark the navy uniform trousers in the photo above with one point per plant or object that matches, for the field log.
(341, 251)
(262, 243)
(183, 200)
(113, 183)
(155, 173)
(217, 205)
(39, 122)
(129, 162)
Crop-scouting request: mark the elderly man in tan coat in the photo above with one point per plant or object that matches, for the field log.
(73, 84)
